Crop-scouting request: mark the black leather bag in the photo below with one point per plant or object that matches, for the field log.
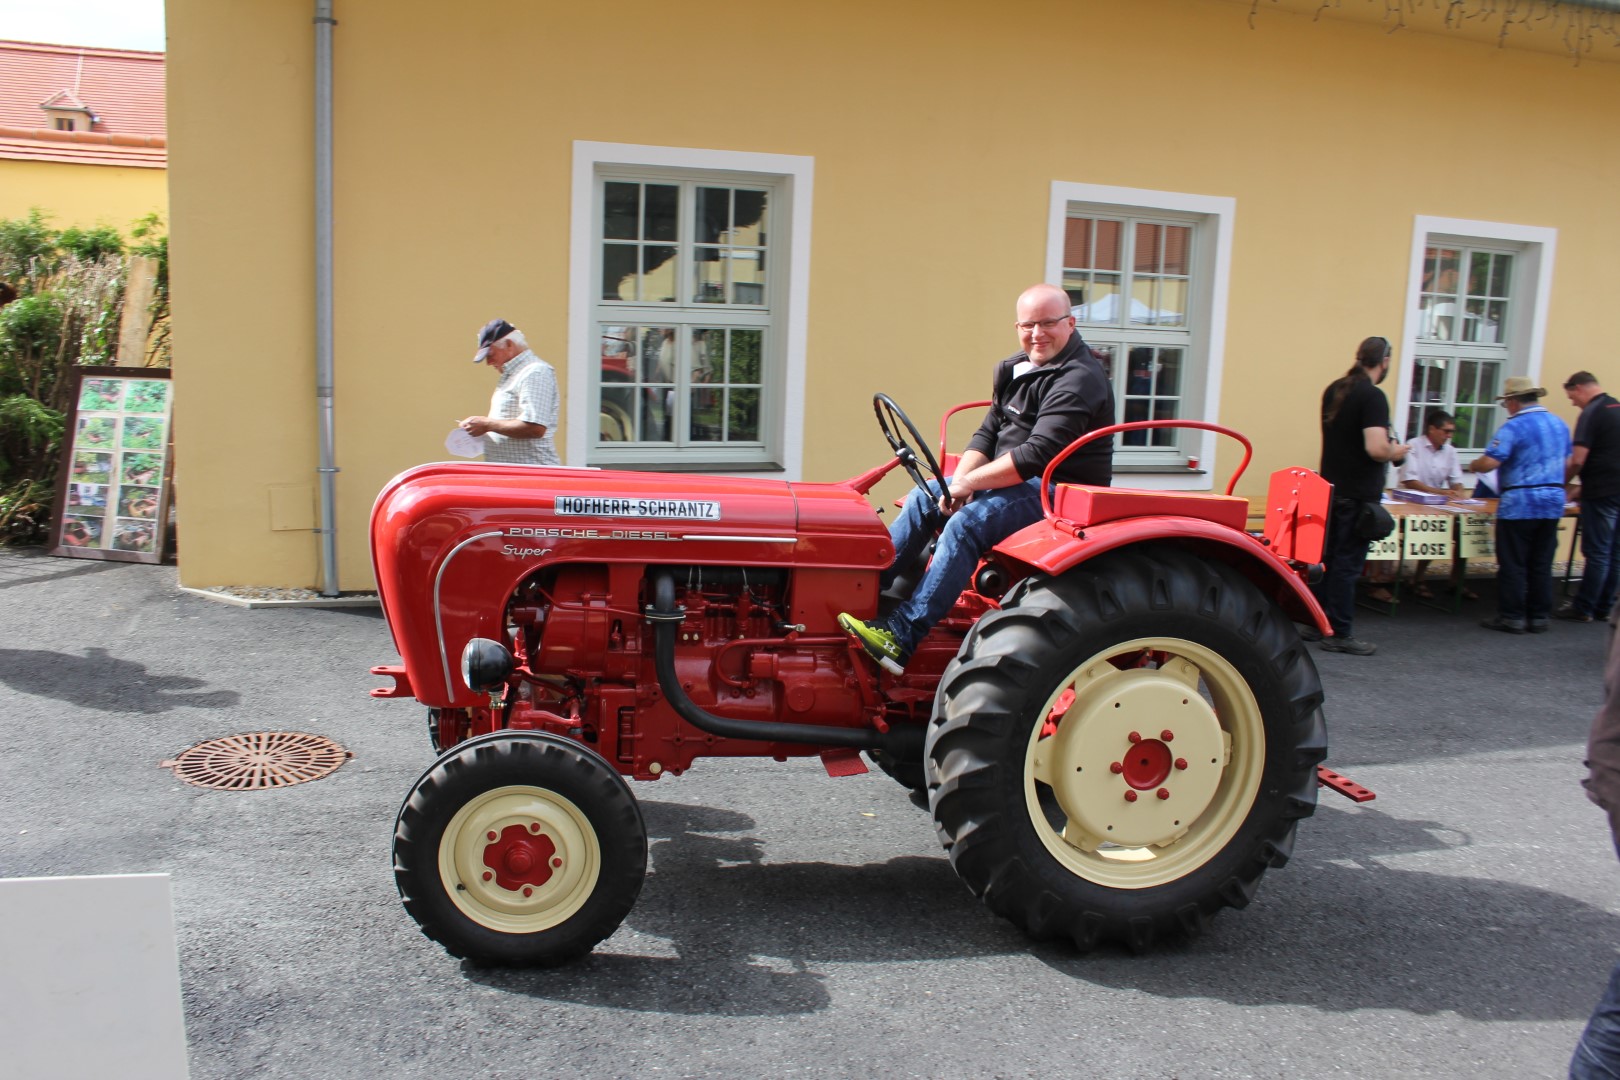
(1375, 522)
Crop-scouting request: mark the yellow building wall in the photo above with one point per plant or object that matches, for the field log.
(936, 129)
(82, 195)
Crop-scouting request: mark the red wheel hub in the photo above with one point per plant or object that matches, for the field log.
(1147, 764)
(520, 858)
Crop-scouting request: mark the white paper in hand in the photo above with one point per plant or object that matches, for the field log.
(461, 444)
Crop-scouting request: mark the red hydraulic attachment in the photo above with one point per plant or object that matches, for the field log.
(1326, 777)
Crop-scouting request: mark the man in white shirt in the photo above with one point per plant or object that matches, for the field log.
(1432, 466)
(523, 409)
(1431, 463)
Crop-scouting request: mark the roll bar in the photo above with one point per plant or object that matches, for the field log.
(1141, 425)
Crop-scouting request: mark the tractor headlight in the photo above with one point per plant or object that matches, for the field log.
(485, 665)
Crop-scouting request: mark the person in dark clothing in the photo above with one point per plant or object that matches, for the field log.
(1045, 397)
(1597, 1054)
(1596, 460)
(1356, 447)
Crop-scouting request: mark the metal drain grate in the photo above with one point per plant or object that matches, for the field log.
(259, 759)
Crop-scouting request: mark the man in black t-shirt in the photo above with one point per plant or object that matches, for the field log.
(1356, 448)
(1596, 461)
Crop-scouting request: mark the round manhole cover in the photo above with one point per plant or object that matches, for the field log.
(259, 759)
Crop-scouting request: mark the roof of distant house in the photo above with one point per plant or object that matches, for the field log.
(119, 92)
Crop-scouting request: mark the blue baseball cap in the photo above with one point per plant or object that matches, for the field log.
(492, 332)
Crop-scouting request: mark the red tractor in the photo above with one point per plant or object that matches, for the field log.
(1116, 729)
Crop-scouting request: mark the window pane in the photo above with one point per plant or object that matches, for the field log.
(747, 269)
(742, 418)
(1479, 273)
(707, 421)
(1143, 299)
(661, 213)
(1139, 377)
(619, 210)
(746, 348)
(1146, 256)
(1495, 318)
(619, 271)
(713, 214)
(657, 408)
(1165, 410)
(1135, 410)
(1102, 303)
(708, 276)
(657, 274)
(1501, 275)
(1436, 316)
(1107, 257)
(748, 218)
(1168, 380)
(1077, 242)
(1172, 306)
(1177, 242)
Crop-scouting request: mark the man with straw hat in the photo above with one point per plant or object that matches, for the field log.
(1530, 449)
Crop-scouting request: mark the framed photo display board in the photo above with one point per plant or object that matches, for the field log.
(113, 490)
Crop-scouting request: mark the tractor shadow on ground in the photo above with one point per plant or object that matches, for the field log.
(1344, 932)
(98, 680)
(746, 933)
(1336, 933)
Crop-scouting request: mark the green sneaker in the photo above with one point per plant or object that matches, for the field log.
(878, 642)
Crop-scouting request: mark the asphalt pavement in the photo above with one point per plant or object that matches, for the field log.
(1461, 925)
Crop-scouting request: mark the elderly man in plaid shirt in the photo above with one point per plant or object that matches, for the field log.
(523, 409)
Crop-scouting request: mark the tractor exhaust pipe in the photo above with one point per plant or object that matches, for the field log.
(905, 744)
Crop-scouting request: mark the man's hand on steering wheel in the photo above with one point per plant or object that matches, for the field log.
(956, 496)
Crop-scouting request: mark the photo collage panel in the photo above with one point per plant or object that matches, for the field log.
(116, 473)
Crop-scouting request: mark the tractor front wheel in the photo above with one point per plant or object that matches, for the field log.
(1121, 752)
(519, 849)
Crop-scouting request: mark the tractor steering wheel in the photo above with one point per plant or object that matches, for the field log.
(895, 425)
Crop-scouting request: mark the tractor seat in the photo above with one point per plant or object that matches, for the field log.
(1085, 505)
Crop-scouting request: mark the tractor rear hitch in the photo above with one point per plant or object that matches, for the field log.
(1326, 777)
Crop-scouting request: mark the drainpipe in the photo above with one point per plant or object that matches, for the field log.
(323, 294)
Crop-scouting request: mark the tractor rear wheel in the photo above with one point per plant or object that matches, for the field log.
(1121, 752)
(519, 849)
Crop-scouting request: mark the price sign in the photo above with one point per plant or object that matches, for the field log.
(1386, 550)
(1476, 539)
(1428, 536)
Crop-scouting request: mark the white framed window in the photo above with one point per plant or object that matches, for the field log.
(1476, 314)
(1147, 277)
(687, 342)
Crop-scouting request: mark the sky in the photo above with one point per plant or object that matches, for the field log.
(118, 24)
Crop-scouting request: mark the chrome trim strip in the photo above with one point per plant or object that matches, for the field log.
(742, 539)
(438, 616)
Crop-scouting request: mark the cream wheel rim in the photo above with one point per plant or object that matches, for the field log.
(1150, 753)
(519, 859)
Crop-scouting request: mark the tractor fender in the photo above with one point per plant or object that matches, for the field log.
(1049, 548)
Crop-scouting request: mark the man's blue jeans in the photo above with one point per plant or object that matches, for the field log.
(1600, 544)
(1597, 1055)
(987, 519)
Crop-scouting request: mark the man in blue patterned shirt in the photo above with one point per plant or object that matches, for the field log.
(1531, 450)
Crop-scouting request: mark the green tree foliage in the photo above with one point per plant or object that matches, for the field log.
(27, 247)
(68, 289)
(90, 244)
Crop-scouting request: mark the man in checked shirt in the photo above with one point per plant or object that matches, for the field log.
(523, 409)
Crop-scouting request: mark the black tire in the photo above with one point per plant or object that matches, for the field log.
(565, 827)
(908, 774)
(1131, 632)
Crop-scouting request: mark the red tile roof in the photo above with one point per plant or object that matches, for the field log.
(122, 88)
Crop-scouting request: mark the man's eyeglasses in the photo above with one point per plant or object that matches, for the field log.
(1044, 324)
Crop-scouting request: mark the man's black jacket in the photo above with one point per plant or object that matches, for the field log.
(1036, 414)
